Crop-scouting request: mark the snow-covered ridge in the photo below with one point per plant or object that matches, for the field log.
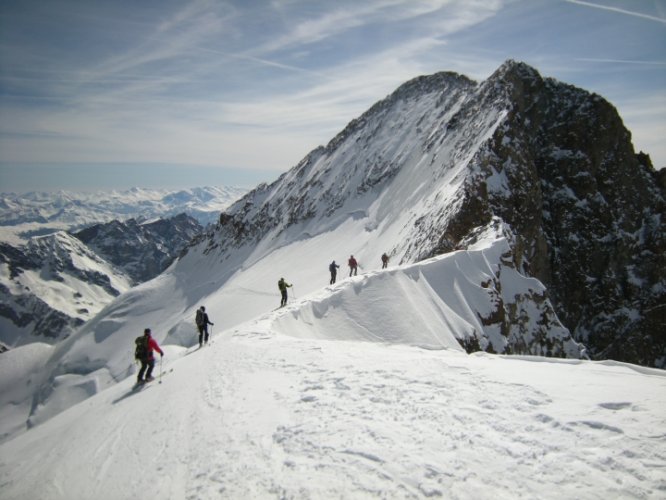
(267, 415)
(436, 304)
(440, 303)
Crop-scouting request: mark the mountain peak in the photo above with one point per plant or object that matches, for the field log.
(442, 157)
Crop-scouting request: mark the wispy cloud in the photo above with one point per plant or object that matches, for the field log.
(619, 11)
(621, 61)
(237, 84)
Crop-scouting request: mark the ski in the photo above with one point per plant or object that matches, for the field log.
(141, 385)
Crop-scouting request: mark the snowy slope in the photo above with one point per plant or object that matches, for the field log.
(347, 198)
(276, 410)
(51, 286)
(429, 304)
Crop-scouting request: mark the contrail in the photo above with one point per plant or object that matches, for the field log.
(620, 11)
(621, 61)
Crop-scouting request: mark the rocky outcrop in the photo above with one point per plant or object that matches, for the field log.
(586, 211)
(142, 251)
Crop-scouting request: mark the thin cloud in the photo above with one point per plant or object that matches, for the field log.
(622, 61)
(618, 10)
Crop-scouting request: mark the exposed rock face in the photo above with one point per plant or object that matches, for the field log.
(551, 161)
(587, 213)
(142, 251)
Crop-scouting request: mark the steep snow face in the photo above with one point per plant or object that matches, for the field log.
(442, 157)
(403, 156)
(52, 286)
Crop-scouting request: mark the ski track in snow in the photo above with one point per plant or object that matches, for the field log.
(259, 415)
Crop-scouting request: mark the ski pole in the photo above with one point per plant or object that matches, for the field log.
(161, 358)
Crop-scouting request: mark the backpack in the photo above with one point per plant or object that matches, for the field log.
(200, 318)
(141, 349)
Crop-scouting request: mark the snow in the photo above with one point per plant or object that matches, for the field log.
(259, 414)
(353, 390)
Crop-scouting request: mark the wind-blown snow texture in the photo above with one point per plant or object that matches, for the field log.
(361, 388)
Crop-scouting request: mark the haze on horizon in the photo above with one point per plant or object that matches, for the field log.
(169, 94)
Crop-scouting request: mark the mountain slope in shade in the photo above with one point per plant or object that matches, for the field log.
(35, 307)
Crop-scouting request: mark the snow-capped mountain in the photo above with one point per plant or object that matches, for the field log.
(51, 286)
(30, 214)
(140, 241)
(444, 157)
(470, 190)
(142, 251)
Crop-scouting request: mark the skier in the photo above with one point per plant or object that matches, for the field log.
(334, 271)
(144, 353)
(385, 259)
(353, 266)
(202, 324)
(283, 285)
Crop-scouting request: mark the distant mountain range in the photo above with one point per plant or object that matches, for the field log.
(54, 280)
(38, 213)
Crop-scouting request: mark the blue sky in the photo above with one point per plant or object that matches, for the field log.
(163, 93)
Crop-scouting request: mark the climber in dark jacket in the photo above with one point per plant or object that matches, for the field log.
(334, 271)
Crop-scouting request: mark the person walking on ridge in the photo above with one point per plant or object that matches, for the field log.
(334, 271)
(283, 285)
(385, 259)
(202, 322)
(353, 266)
(147, 358)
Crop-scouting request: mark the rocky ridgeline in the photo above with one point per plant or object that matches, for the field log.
(554, 163)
